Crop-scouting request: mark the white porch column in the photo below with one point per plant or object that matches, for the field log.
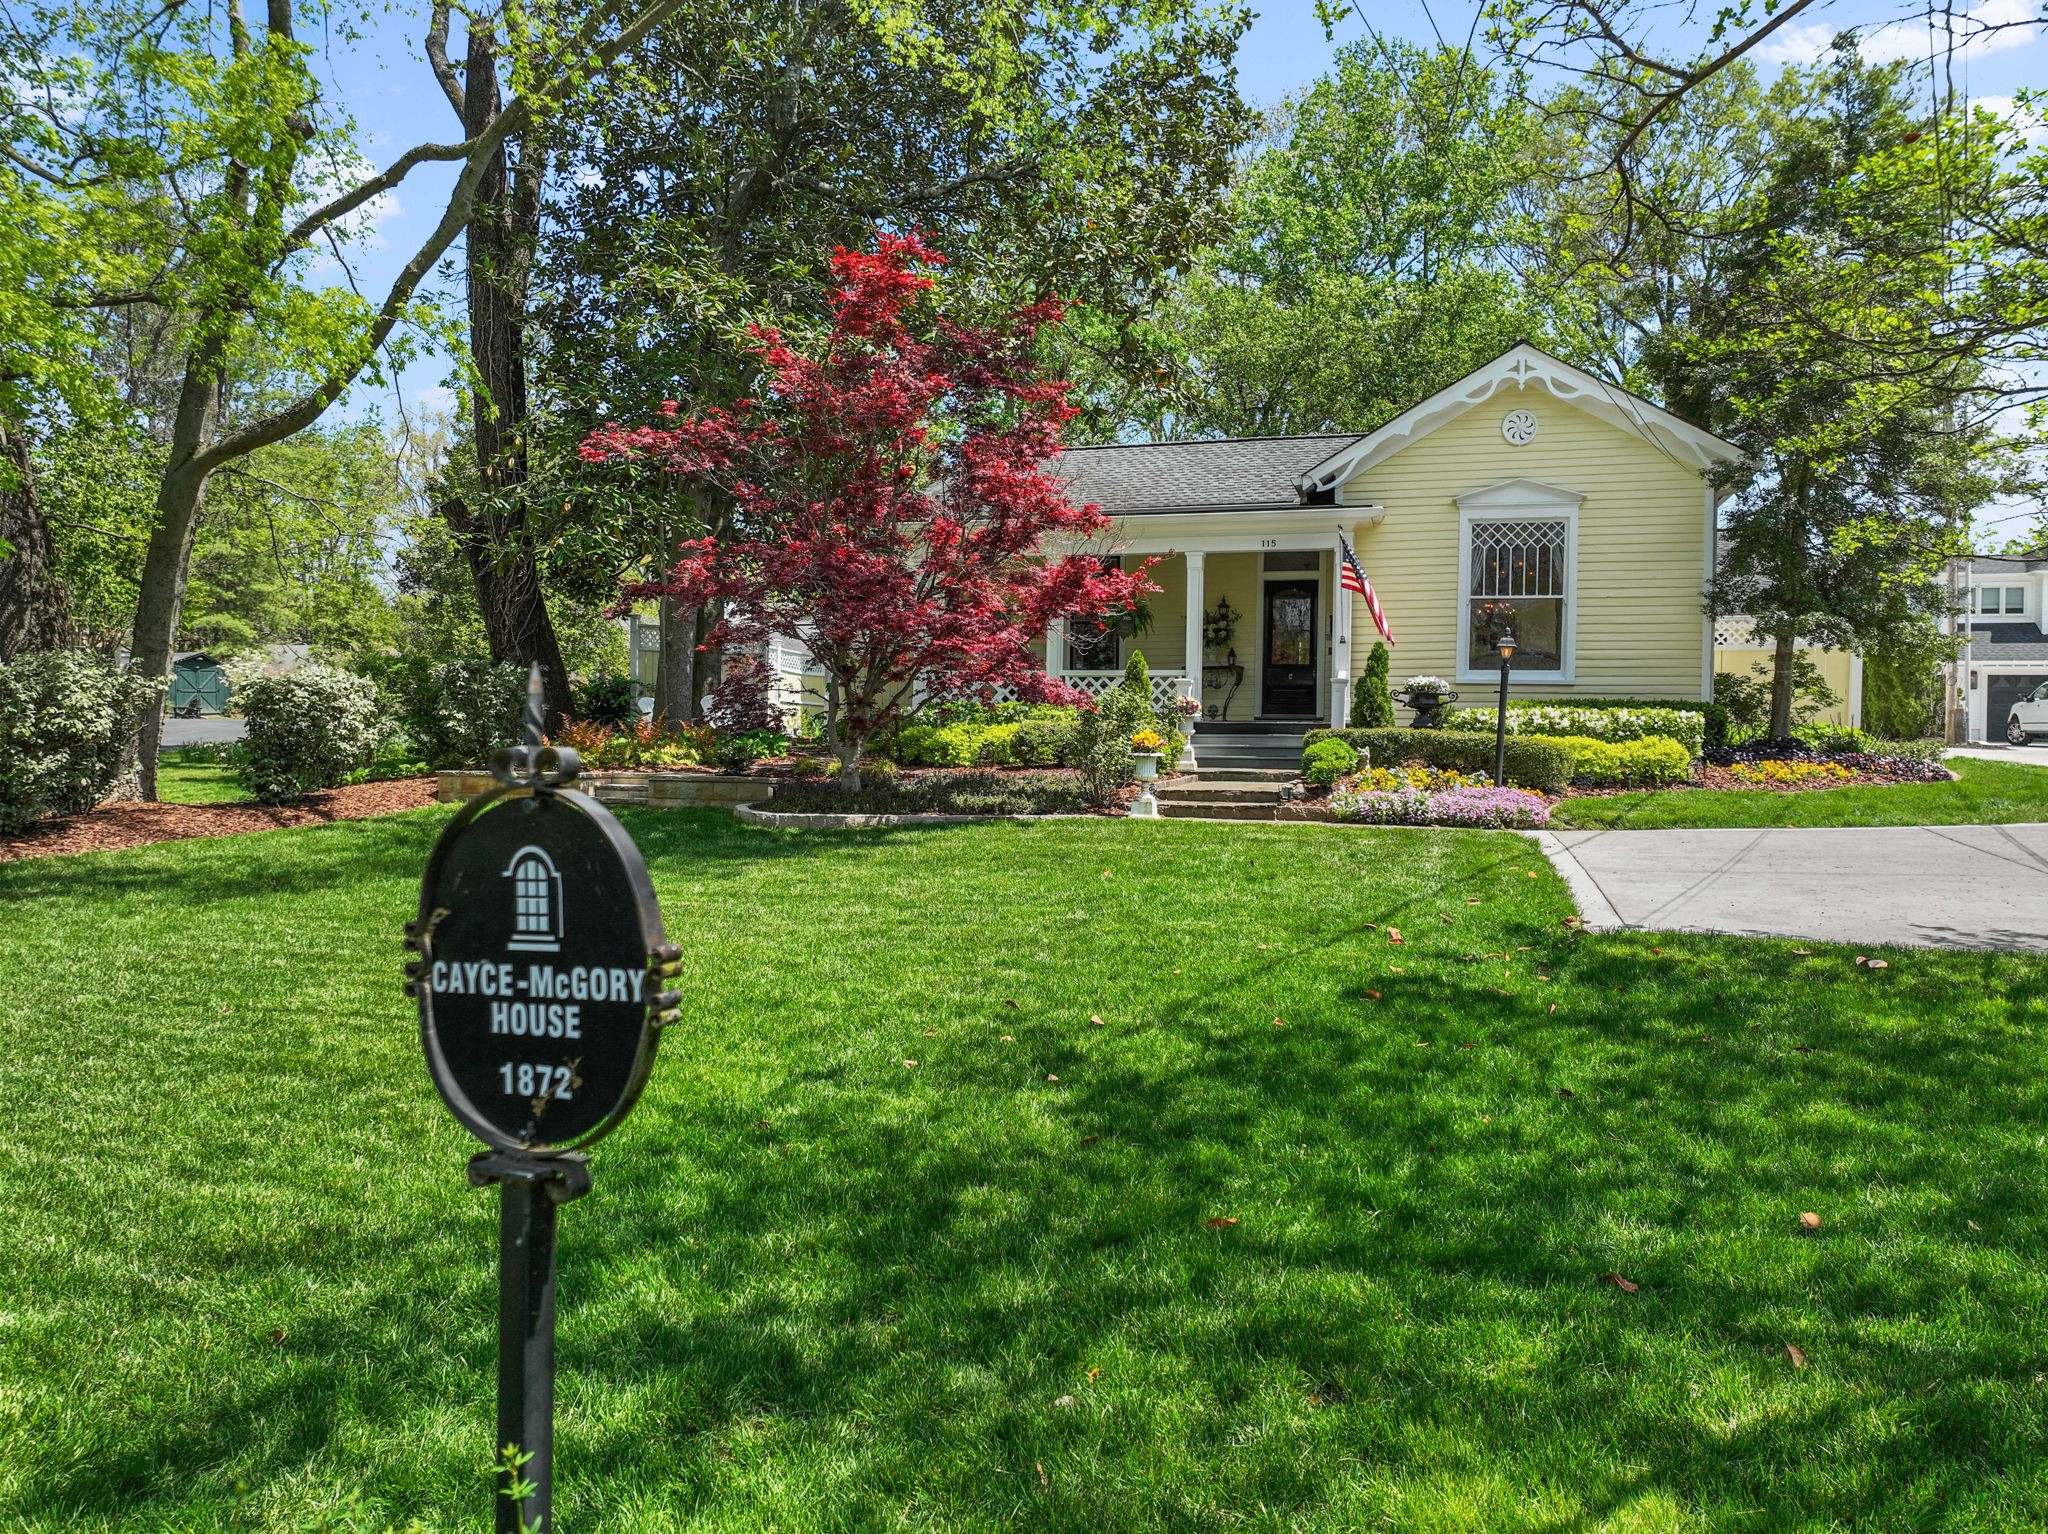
(1340, 645)
(1056, 648)
(1191, 655)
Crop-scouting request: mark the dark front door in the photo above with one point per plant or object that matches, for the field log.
(1288, 686)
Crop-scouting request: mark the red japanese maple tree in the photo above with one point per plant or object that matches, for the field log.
(891, 499)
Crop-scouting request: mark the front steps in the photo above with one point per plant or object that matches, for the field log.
(1259, 748)
(1211, 795)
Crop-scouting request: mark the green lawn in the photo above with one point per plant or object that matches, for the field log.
(1985, 793)
(180, 780)
(817, 1288)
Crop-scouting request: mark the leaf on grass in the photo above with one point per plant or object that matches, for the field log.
(1093, 1372)
(1009, 1038)
(1065, 1401)
(931, 1033)
(1090, 1140)
(1656, 953)
(1220, 1221)
(1553, 1006)
(1050, 1077)
(1422, 1043)
(1097, 1021)
(1372, 995)
(1797, 1354)
(1797, 1049)
(278, 1335)
(1808, 1220)
(1278, 1023)
(1566, 1092)
(1394, 935)
(1619, 1282)
(1498, 991)
(1372, 926)
(1804, 953)
(1445, 916)
(1264, 946)
(1861, 960)
(1043, 1478)
(1973, 1224)
(1879, 964)
(1471, 900)
(1011, 1005)
(1534, 874)
(911, 1064)
(1395, 969)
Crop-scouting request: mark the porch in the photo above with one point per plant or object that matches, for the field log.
(1254, 624)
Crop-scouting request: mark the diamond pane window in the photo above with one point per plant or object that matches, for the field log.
(1518, 585)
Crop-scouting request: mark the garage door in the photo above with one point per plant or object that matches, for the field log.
(2001, 693)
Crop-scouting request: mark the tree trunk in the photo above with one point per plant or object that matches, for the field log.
(1781, 688)
(160, 600)
(35, 610)
(498, 254)
(675, 671)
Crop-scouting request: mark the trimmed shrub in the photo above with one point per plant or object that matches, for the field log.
(457, 712)
(1043, 742)
(1531, 763)
(611, 701)
(66, 717)
(1580, 722)
(740, 749)
(1372, 703)
(943, 793)
(308, 729)
(1102, 743)
(1323, 763)
(1651, 760)
(1834, 739)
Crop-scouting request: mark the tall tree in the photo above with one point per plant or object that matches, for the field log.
(1368, 261)
(893, 503)
(1069, 150)
(199, 147)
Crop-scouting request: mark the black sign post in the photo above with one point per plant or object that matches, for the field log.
(539, 975)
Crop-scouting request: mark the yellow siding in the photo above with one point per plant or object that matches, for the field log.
(1164, 641)
(1641, 548)
(1833, 666)
(1235, 576)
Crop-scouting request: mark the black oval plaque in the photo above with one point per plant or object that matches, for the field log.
(538, 975)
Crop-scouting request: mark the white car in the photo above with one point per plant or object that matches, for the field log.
(2029, 717)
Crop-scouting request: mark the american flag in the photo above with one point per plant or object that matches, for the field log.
(1353, 578)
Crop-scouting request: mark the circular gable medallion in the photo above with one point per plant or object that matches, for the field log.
(1518, 426)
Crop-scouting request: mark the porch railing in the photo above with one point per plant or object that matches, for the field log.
(1166, 685)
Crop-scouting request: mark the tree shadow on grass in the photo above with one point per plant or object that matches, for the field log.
(882, 1277)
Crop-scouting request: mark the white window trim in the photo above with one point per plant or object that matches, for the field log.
(1519, 500)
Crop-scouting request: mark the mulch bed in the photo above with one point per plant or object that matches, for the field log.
(1706, 775)
(112, 827)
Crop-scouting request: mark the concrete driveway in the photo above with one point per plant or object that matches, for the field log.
(1941, 886)
(203, 732)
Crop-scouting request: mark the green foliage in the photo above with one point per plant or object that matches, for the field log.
(943, 793)
(740, 749)
(1323, 763)
(309, 729)
(1633, 763)
(1372, 700)
(1533, 764)
(1045, 742)
(1363, 270)
(66, 717)
(1102, 743)
(1746, 697)
(1138, 677)
(612, 701)
(456, 712)
(1602, 722)
(1902, 683)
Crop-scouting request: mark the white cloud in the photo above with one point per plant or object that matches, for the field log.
(2033, 125)
(1992, 26)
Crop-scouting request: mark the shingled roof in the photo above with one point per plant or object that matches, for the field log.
(1227, 474)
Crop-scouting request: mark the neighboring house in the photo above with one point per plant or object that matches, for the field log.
(2006, 614)
(1529, 493)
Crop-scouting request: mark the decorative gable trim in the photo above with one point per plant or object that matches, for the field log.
(1520, 367)
(1518, 494)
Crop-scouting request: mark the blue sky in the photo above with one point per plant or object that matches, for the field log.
(386, 85)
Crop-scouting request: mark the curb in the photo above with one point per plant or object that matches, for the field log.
(1596, 911)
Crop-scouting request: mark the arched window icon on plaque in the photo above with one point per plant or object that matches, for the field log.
(536, 902)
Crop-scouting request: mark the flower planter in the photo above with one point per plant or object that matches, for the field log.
(1148, 765)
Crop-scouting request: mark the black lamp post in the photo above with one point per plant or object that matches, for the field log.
(1506, 646)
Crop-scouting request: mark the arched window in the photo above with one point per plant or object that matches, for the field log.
(536, 902)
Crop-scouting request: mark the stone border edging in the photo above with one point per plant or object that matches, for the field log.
(809, 820)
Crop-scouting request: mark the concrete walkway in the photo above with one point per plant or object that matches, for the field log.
(1941, 886)
(2032, 756)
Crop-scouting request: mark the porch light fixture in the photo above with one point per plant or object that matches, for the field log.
(1505, 646)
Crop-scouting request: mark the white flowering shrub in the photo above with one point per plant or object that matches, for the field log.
(66, 717)
(308, 730)
(1685, 726)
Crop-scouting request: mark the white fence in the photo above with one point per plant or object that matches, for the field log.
(1166, 686)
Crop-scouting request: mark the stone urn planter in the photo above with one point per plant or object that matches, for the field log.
(1148, 765)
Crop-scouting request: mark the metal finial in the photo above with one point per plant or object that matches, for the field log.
(535, 708)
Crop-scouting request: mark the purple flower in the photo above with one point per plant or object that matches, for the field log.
(1503, 809)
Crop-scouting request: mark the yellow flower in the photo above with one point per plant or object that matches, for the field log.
(1148, 740)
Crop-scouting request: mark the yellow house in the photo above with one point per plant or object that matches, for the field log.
(1528, 495)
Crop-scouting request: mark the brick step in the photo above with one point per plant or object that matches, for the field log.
(1181, 810)
(1221, 774)
(1221, 793)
